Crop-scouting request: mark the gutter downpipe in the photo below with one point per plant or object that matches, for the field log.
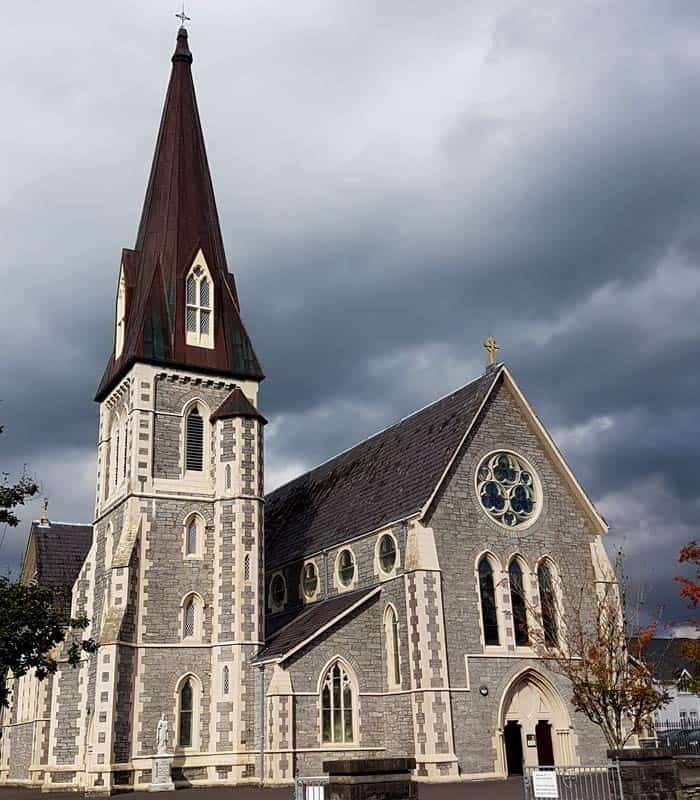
(261, 757)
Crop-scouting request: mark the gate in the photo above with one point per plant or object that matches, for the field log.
(310, 788)
(574, 783)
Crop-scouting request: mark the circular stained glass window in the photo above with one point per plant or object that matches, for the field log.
(346, 567)
(508, 489)
(277, 590)
(310, 579)
(387, 552)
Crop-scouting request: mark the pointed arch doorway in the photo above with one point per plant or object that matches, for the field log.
(535, 726)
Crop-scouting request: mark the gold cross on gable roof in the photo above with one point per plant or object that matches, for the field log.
(182, 16)
(492, 347)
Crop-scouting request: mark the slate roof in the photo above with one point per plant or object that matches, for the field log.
(55, 553)
(666, 659)
(179, 217)
(311, 620)
(383, 479)
(236, 404)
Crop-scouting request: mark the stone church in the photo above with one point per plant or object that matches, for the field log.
(380, 605)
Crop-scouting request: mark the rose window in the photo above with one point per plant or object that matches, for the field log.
(507, 489)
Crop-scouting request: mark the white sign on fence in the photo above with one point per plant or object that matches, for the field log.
(544, 783)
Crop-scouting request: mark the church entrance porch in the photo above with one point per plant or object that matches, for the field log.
(535, 728)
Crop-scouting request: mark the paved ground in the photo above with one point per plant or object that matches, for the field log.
(482, 790)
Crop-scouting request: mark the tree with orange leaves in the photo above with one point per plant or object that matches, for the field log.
(690, 590)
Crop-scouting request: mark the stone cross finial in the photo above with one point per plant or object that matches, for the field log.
(45, 512)
(492, 347)
(182, 16)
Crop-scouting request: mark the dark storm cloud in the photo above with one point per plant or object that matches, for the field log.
(394, 183)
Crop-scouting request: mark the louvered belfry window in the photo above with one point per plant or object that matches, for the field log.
(194, 442)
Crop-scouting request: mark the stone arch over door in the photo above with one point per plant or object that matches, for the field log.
(530, 700)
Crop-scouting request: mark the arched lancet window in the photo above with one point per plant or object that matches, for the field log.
(115, 461)
(226, 681)
(191, 537)
(186, 714)
(518, 604)
(337, 706)
(194, 441)
(199, 308)
(191, 617)
(489, 612)
(548, 604)
(391, 637)
(228, 476)
(125, 447)
(246, 567)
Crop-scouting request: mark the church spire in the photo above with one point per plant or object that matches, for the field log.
(180, 226)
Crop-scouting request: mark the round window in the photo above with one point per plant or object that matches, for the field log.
(277, 590)
(508, 489)
(310, 579)
(346, 567)
(387, 553)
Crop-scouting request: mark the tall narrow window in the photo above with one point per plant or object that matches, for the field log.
(337, 706)
(517, 601)
(186, 714)
(226, 681)
(489, 613)
(547, 604)
(199, 308)
(228, 476)
(191, 547)
(190, 617)
(125, 447)
(246, 568)
(116, 456)
(391, 636)
(194, 441)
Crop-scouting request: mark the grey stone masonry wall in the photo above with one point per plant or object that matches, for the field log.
(463, 532)
(648, 774)
(22, 738)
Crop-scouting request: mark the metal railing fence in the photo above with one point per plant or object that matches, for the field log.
(577, 783)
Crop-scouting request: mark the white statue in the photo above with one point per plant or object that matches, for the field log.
(162, 734)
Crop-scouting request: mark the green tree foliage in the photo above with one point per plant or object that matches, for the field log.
(33, 627)
(33, 622)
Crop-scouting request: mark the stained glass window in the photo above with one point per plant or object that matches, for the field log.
(186, 713)
(387, 553)
(190, 612)
(192, 537)
(507, 489)
(547, 604)
(517, 601)
(346, 567)
(489, 613)
(310, 579)
(337, 706)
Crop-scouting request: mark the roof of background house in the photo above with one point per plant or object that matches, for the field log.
(666, 658)
(55, 553)
(383, 479)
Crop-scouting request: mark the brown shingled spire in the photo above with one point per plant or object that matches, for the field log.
(179, 218)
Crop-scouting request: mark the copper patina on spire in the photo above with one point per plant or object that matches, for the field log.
(179, 219)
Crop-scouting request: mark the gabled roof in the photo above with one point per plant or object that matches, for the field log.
(384, 479)
(236, 404)
(179, 219)
(55, 554)
(667, 659)
(311, 622)
(391, 476)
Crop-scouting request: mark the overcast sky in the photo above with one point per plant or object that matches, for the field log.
(395, 181)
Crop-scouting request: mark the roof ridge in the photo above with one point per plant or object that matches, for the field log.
(51, 522)
(380, 432)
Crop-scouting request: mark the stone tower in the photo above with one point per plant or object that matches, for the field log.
(172, 581)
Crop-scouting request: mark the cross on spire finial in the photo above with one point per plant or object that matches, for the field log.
(182, 16)
(492, 348)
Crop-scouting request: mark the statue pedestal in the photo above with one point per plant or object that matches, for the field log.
(161, 777)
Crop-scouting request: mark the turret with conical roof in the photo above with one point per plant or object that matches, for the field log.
(161, 317)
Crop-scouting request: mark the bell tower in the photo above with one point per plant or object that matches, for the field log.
(177, 557)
